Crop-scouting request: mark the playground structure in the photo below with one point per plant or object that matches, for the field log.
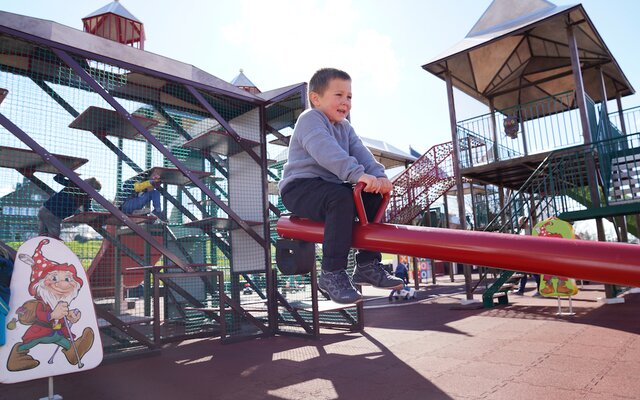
(549, 145)
(82, 105)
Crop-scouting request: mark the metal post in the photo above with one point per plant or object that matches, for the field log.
(605, 113)
(473, 208)
(603, 91)
(458, 177)
(117, 279)
(620, 114)
(577, 76)
(584, 119)
(272, 305)
(501, 201)
(494, 129)
(623, 126)
(525, 146)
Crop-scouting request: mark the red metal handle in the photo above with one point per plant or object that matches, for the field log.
(362, 215)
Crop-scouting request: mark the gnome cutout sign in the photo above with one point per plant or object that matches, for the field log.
(52, 327)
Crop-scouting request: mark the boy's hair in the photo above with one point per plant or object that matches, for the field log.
(321, 78)
(94, 183)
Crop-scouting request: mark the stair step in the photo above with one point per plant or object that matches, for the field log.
(506, 288)
(623, 174)
(627, 159)
(515, 278)
(625, 182)
(622, 194)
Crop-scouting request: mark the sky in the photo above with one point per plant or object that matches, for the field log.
(381, 44)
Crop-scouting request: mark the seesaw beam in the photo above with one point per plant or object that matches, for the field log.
(606, 262)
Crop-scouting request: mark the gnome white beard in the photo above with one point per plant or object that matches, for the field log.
(51, 299)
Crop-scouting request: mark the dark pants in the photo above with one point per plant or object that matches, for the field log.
(524, 279)
(49, 224)
(332, 204)
(138, 202)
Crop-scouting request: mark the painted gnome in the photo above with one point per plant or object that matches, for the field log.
(53, 286)
(551, 285)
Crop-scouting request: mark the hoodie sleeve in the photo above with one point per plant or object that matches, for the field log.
(317, 140)
(364, 156)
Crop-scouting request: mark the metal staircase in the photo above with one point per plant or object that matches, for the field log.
(417, 187)
(559, 187)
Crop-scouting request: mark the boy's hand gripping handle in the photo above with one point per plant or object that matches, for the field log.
(362, 215)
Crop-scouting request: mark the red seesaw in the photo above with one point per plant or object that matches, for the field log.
(606, 262)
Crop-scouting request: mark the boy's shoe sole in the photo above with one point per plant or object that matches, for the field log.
(359, 300)
(142, 211)
(375, 275)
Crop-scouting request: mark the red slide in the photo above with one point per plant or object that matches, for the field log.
(606, 262)
(102, 271)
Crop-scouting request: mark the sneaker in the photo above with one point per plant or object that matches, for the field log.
(519, 293)
(374, 274)
(142, 211)
(161, 217)
(338, 287)
(537, 294)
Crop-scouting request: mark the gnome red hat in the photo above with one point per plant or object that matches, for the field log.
(42, 266)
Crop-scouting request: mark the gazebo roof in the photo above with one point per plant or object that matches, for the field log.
(386, 154)
(518, 52)
(241, 80)
(114, 8)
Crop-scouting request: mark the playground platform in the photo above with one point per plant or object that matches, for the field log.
(429, 348)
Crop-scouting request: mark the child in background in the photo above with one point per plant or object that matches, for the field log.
(139, 193)
(326, 158)
(402, 270)
(64, 204)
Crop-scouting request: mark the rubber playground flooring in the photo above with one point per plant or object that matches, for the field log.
(428, 348)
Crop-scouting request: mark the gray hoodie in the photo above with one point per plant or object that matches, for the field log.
(333, 152)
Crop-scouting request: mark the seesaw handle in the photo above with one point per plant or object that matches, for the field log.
(362, 215)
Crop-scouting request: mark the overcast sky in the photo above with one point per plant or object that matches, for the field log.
(382, 44)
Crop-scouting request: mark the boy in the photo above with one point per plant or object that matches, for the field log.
(326, 158)
(64, 204)
(138, 194)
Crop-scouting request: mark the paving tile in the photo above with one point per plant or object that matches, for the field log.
(470, 386)
(625, 369)
(559, 363)
(525, 391)
(567, 379)
(619, 386)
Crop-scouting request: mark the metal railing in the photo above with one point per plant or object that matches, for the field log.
(428, 178)
(630, 120)
(543, 125)
(560, 184)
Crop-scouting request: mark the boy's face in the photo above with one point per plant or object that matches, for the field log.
(335, 102)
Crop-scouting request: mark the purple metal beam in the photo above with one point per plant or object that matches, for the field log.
(131, 67)
(75, 178)
(117, 151)
(272, 289)
(151, 139)
(240, 140)
(300, 88)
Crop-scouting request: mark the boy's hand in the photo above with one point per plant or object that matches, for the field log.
(371, 183)
(385, 185)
